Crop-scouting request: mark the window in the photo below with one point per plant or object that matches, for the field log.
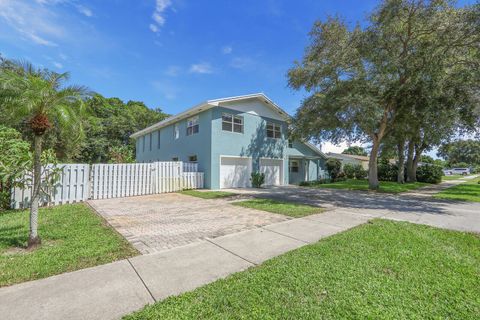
(150, 141)
(192, 158)
(176, 131)
(274, 130)
(175, 159)
(290, 143)
(192, 126)
(158, 139)
(232, 123)
(293, 166)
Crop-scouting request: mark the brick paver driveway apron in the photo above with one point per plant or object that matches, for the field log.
(158, 222)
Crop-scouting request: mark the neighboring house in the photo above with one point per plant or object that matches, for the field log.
(230, 138)
(350, 158)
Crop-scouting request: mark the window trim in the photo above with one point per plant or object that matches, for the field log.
(274, 127)
(195, 123)
(176, 131)
(158, 141)
(232, 122)
(291, 166)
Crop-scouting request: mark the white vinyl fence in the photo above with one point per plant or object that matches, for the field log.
(71, 186)
(79, 182)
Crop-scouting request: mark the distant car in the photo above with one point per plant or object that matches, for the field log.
(447, 172)
(462, 171)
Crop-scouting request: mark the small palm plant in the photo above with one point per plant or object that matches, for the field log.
(41, 99)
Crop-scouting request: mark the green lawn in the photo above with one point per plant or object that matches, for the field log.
(208, 194)
(385, 186)
(291, 209)
(73, 237)
(380, 270)
(467, 191)
(452, 177)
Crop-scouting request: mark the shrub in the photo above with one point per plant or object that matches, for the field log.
(429, 173)
(387, 171)
(341, 177)
(360, 173)
(333, 167)
(354, 171)
(349, 170)
(257, 179)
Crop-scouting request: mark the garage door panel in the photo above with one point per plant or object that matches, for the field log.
(235, 172)
(272, 168)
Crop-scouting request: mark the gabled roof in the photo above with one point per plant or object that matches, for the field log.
(208, 105)
(216, 102)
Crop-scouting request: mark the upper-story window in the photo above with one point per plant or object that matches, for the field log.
(274, 130)
(176, 131)
(192, 126)
(232, 123)
(290, 143)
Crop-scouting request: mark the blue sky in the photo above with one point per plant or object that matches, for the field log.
(170, 54)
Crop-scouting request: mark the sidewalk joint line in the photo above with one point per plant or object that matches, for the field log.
(141, 279)
(285, 235)
(215, 244)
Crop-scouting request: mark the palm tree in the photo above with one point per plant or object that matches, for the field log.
(41, 98)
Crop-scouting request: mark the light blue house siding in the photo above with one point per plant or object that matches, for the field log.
(311, 167)
(198, 144)
(211, 143)
(253, 142)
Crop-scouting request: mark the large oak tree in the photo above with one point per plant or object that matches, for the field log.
(361, 81)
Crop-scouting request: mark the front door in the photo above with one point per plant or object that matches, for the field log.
(295, 171)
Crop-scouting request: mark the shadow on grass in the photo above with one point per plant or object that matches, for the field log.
(13, 236)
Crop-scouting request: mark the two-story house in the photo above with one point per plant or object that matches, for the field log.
(230, 138)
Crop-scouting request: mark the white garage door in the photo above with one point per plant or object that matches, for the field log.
(272, 169)
(235, 172)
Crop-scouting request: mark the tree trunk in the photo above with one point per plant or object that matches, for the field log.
(33, 238)
(411, 177)
(416, 160)
(373, 166)
(401, 162)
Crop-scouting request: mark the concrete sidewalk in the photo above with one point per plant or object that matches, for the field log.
(112, 290)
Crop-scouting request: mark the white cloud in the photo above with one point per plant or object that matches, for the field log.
(80, 8)
(31, 21)
(227, 49)
(338, 148)
(154, 27)
(84, 10)
(158, 15)
(202, 68)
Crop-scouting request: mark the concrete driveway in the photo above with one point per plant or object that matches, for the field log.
(157, 222)
(416, 207)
